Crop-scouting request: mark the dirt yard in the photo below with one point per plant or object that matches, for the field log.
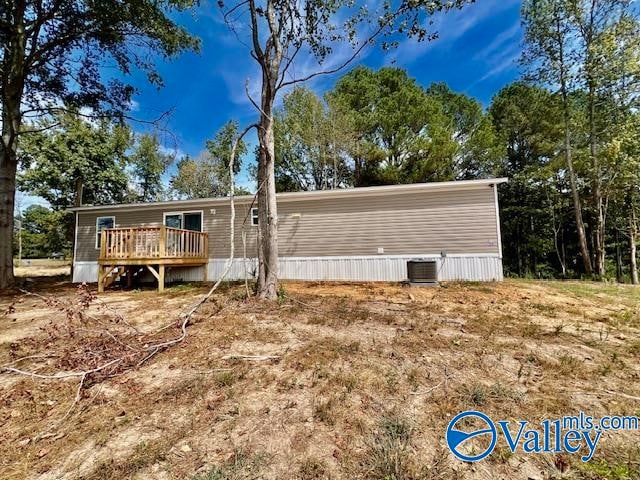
(334, 381)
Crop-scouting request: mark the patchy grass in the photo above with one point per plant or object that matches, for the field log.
(619, 465)
(240, 466)
(41, 267)
(387, 455)
(606, 293)
(364, 379)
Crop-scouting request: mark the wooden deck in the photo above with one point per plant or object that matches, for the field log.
(125, 251)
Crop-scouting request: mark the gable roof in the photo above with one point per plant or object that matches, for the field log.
(306, 195)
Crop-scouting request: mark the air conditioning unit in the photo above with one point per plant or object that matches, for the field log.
(422, 272)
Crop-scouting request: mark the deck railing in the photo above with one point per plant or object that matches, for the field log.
(147, 243)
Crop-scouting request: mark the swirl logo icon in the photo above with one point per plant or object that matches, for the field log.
(464, 428)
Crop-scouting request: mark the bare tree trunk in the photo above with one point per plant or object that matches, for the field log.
(556, 243)
(597, 189)
(268, 214)
(575, 194)
(261, 220)
(619, 278)
(8, 163)
(269, 58)
(267, 204)
(12, 90)
(632, 246)
(557, 227)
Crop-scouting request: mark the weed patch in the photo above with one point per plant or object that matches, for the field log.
(241, 466)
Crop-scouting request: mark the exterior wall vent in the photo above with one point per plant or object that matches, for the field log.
(422, 272)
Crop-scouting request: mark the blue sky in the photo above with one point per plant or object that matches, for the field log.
(476, 53)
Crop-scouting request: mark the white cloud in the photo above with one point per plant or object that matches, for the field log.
(172, 150)
(506, 62)
(450, 26)
(499, 42)
(500, 55)
(24, 201)
(134, 105)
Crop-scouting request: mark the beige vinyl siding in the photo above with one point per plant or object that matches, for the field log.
(461, 221)
(215, 224)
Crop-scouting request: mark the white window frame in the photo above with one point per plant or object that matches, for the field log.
(201, 212)
(255, 219)
(99, 232)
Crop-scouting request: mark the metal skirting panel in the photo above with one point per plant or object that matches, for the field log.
(85, 272)
(390, 269)
(481, 268)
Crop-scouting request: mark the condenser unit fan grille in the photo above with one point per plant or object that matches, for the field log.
(422, 271)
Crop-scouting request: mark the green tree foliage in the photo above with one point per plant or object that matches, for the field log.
(311, 144)
(551, 55)
(404, 133)
(472, 137)
(587, 52)
(389, 111)
(197, 178)
(208, 174)
(53, 160)
(53, 52)
(43, 232)
(149, 164)
(528, 123)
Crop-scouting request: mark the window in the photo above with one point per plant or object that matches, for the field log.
(173, 221)
(187, 220)
(254, 216)
(101, 224)
(192, 221)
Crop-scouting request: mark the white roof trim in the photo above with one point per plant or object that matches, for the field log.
(308, 195)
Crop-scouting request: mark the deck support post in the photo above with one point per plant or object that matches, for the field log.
(159, 276)
(103, 273)
(101, 270)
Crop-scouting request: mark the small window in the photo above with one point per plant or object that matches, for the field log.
(173, 221)
(254, 216)
(101, 224)
(186, 220)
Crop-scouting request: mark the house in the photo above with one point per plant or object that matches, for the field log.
(359, 234)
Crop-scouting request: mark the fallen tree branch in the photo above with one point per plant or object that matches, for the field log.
(445, 380)
(28, 357)
(149, 351)
(252, 358)
(76, 400)
(293, 299)
(61, 375)
(623, 395)
(428, 390)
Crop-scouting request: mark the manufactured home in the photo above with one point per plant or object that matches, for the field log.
(356, 234)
